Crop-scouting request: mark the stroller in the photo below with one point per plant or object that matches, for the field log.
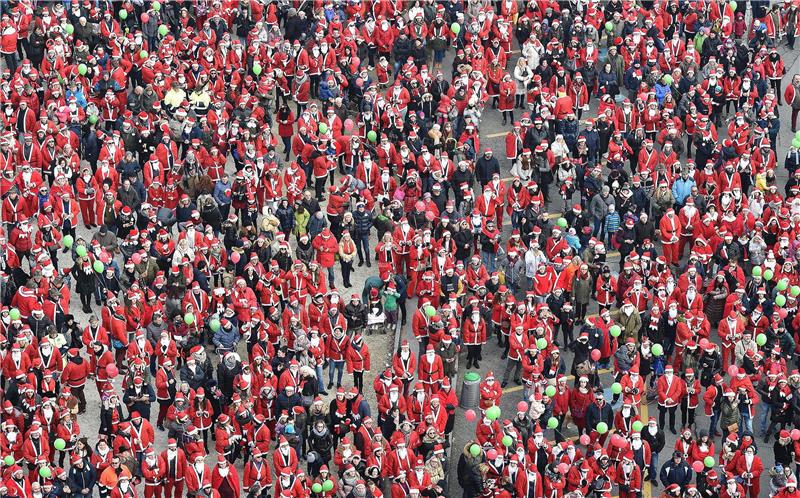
(376, 320)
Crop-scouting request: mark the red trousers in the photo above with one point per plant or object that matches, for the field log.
(153, 490)
(678, 362)
(671, 253)
(727, 353)
(173, 489)
(684, 240)
(88, 212)
(403, 264)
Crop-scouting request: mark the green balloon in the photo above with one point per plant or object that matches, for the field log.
(756, 271)
(123, 14)
(708, 461)
(552, 423)
(768, 274)
(214, 325)
(143, 54)
(616, 388)
(430, 311)
(9, 460)
(541, 343)
(327, 485)
(796, 143)
(609, 26)
(455, 28)
(45, 472)
(14, 314)
(372, 136)
(615, 331)
(602, 427)
(93, 118)
(507, 441)
(733, 7)
(657, 349)
(667, 79)
(81, 251)
(795, 291)
(637, 426)
(780, 300)
(474, 450)
(493, 412)
(156, 6)
(782, 284)
(82, 69)
(316, 487)
(323, 128)
(256, 68)
(69, 28)
(68, 241)
(550, 391)
(761, 339)
(562, 223)
(98, 266)
(163, 29)
(60, 444)
(188, 318)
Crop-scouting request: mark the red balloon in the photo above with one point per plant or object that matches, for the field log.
(563, 468)
(783, 313)
(703, 343)
(698, 466)
(348, 124)
(112, 370)
(430, 216)
(136, 258)
(491, 454)
(470, 415)
(585, 440)
(359, 81)
(105, 258)
(145, 17)
(522, 406)
(596, 355)
(795, 434)
(235, 257)
(733, 370)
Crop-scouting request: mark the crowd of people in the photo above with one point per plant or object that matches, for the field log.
(209, 177)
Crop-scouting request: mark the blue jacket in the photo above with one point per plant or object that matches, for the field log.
(676, 473)
(219, 193)
(226, 338)
(682, 189)
(592, 143)
(632, 83)
(661, 91)
(79, 479)
(363, 223)
(80, 98)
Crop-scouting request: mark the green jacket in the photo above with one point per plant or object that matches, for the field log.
(582, 289)
(301, 222)
(630, 326)
(729, 414)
